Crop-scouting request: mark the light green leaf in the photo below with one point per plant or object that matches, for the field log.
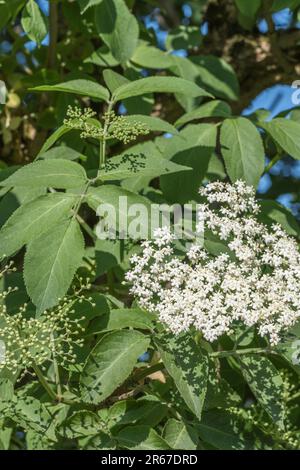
(3, 92)
(62, 152)
(118, 28)
(51, 262)
(290, 350)
(102, 57)
(213, 108)
(111, 194)
(29, 413)
(30, 220)
(33, 22)
(159, 85)
(85, 4)
(113, 79)
(110, 363)
(56, 173)
(286, 134)
(184, 37)
(150, 57)
(266, 384)
(180, 435)
(136, 165)
(52, 139)
(141, 438)
(188, 366)
(78, 87)
(243, 150)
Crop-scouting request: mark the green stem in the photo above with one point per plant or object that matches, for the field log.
(82, 196)
(44, 382)
(56, 370)
(86, 227)
(150, 370)
(272, 163)
(102, 149)
(241, 352)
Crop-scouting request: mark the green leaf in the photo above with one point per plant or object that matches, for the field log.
(117, 319)
(141, 438)
(62, 152)
(243, 151)
(217, 76)
(110, 194)
(286, 134)
(188, 366)
(273, 212)
(33, 22)
(180, 435)
(159, 85)
(224, 431)
(29, 413)
(266, 384)
(85, 4)
(107, 255)
(147, 410)
(183, 37)
(80, 424)
(52, 139)
(119, 198)
(110, 363)
(3, 92)
(56, 173)
(118, 28)
(213, 108)
(193, 148)
(51, 262)
(6, 390)
(290, 350)
(102, 57)
(248, 8)
(78, 87)
(150, 57)
(281, 4)
(113, 79)
(31, 220)
(138, 164)
(8, 10)
(99, 441)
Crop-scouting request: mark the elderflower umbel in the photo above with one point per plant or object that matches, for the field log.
(256, 283)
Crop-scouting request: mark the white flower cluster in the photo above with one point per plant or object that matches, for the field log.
(257, 283)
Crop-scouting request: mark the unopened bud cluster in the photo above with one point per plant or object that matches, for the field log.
(31, 340)
(115, 127)
(124, 129)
